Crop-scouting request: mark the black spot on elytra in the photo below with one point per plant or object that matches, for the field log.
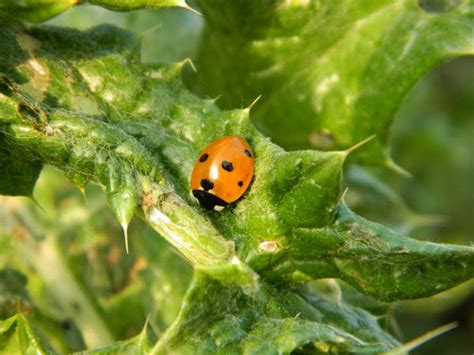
(247, 153)
(240, 183)
(227, 166)
(203, 158)
(206, 184)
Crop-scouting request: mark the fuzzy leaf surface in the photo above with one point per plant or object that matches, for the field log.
(269, 321)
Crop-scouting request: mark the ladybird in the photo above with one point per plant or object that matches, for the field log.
(222, 172)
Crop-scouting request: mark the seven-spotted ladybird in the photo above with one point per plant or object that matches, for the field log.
(222, 172)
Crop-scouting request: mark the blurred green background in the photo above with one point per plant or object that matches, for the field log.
(432, 138)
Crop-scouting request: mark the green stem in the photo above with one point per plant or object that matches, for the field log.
(185, 229)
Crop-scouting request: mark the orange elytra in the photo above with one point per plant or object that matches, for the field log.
(223, 172)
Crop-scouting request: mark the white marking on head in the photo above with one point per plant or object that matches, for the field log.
(218, 208)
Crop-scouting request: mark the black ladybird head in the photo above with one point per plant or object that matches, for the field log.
(208, 200)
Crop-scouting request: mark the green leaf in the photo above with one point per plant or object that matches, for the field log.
(375, 260)
(119, 5)
(330, 73)
(136, 345)
(221, 318)
(135, 129)
(17, 336)
(33, 11)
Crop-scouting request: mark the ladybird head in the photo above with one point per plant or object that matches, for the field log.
(209, 201)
